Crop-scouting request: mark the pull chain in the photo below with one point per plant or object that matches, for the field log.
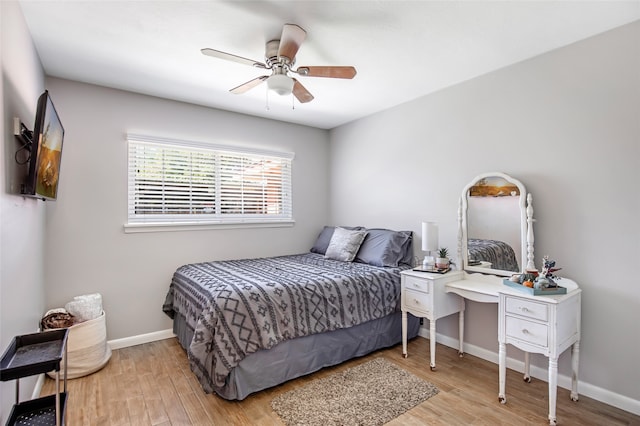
(268, 108)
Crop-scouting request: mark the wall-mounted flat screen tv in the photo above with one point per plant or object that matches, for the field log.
(46, 152)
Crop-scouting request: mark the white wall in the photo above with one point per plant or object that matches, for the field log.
(21, 219)
(87, 249)
(567, 124)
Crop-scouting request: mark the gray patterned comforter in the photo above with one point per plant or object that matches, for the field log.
(238, 307)
(499, 253)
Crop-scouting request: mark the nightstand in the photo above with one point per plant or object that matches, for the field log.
(424, 296)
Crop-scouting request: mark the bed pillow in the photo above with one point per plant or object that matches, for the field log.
(324, 238)
(408, 258)
(384, 247)
(345, 244)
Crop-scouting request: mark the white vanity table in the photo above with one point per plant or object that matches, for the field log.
(548, 324)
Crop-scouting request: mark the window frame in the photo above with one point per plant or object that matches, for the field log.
(216, 220)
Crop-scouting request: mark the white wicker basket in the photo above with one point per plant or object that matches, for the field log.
(87, 348)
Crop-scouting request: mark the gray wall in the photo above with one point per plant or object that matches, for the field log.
(21, 219)
(567, 124)
(87, 248)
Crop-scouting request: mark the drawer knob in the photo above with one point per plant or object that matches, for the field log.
(416, 301)
(525, 331)
(524, 309)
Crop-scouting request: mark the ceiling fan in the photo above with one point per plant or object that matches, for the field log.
(280, 56)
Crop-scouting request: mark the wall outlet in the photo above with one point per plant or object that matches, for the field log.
(17, 129)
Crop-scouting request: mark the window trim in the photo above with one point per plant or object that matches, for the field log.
(233, 223)
(135, 228)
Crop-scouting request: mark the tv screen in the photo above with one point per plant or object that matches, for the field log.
(46, 151)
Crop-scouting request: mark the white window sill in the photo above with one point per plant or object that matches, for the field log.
(132, 228)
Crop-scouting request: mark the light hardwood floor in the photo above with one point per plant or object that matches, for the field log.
(151, 384)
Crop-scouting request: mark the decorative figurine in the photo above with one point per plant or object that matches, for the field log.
(547, 273)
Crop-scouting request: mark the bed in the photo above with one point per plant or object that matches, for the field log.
(251, 324)
(499, 253)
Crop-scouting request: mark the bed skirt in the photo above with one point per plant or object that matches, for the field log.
(294, 358)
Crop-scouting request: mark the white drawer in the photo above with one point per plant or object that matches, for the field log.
(417, 300)
(413, 283)
(527, 331)
(527, 308)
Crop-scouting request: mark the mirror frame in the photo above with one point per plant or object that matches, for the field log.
(526, 227)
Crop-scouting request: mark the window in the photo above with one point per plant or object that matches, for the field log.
(175, 183)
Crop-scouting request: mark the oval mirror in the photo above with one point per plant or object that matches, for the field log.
(495, 226)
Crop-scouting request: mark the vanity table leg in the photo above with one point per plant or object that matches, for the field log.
(432, 343)
(404, 334)
(461, 328)
(575, 354)
(502, 371)
(527, 367)
(553, 389)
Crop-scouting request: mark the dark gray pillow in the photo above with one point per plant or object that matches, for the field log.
(384, 247)
(322, 242)
(407, 259)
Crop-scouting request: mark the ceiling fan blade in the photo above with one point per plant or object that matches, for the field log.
(301, 93)
(290, 41)
(249, 85)
(330, 72)
(229, 57)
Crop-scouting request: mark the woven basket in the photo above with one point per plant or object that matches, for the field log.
(87, 348)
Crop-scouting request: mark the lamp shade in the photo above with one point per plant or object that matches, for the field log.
(429, 236)
(281, 84)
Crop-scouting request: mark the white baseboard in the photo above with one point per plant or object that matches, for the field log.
(603, 395)
(38, 387)
(140, 339)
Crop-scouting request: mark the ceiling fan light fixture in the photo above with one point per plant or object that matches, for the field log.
(280, 57)
(281, 84)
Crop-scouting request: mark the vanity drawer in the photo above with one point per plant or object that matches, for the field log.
(527, 331)
(417, 300)
(417, 284)
(527, 308)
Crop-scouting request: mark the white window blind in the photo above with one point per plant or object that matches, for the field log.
(176, 182)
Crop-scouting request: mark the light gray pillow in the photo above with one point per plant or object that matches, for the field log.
(323, 240)
(344, 244)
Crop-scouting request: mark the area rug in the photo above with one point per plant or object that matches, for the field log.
(372, 393)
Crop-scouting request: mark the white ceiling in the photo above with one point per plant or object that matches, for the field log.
(401, 49)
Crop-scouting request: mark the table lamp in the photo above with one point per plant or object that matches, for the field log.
(429, 243)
